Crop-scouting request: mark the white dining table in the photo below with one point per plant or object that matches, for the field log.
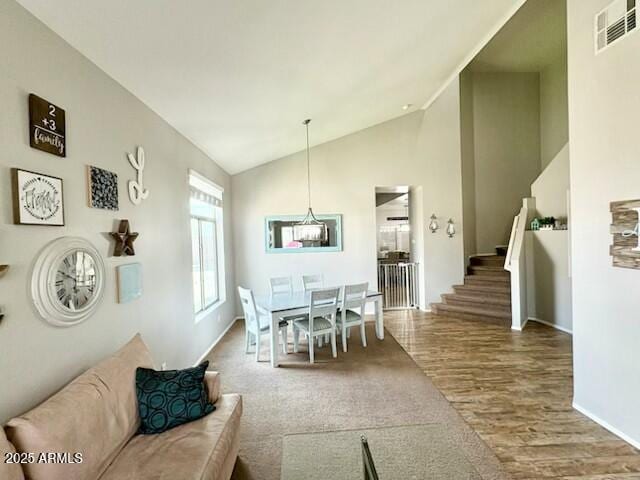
(279, 305)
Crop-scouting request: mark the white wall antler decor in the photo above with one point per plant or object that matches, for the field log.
(137, 192)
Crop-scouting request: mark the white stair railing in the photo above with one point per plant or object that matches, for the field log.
(512, 239)
(398, 283)
(515, 263)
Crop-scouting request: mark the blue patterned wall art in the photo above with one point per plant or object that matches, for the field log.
(103, 189)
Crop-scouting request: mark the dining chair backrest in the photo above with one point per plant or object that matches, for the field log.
(281, 285)
(249, 308)
(355, 296)
(312, 282)
(323, 302)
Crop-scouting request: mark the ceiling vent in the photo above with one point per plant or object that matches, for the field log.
(614, 23)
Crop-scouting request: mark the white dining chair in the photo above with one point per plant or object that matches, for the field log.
(312, 282)
(281, 285)
(353, 297)
(322, 320)
(256, 323)
(284, 286)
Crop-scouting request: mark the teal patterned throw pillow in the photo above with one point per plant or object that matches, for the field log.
(170, 398)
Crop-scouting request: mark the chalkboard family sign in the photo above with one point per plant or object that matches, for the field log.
(47, 126)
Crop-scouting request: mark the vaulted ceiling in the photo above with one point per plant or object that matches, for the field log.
(534, 37)
(237, 77)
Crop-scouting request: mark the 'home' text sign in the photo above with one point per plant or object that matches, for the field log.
(625, 227)
(46, 126)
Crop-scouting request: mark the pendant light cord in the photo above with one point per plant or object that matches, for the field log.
(306, 122)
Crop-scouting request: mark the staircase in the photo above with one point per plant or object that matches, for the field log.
(485, 295)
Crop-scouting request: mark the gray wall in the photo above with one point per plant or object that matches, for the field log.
(506, 125)
(548, 275)
(554, 113)
(551, 187)
(468, 163)
(104, 121)
(604, 167)
(512, 126)
(421, 149)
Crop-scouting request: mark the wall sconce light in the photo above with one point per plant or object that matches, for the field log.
(433, 224)
(451, 230)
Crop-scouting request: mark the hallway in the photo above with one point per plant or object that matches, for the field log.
(515, 390)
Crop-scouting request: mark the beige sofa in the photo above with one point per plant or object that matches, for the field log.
(97, 415)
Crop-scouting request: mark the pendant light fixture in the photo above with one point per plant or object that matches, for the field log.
(310, 229)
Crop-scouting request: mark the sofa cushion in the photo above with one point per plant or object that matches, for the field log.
(212, 381)
(95, 415)
(195, 450)
(169, 398)
(8, 471)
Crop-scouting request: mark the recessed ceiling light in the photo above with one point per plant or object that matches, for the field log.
(407, 106)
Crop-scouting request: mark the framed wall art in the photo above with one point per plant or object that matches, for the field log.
(625, 228)
(37, 198)
(129, 282)
(103, 188)
(47, 129)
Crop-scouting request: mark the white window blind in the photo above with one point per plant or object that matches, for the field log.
(207, 240)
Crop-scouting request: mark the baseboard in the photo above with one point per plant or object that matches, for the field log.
(522, 327)
(215, 342)
(425, 310)
(371, 317)
(612, 429)
(549, 324)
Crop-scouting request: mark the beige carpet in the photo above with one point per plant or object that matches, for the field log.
(377, 386)
(409, 452)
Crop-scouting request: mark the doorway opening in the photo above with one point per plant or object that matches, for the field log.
(397, 269)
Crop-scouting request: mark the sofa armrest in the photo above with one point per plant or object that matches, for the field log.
(212, 382)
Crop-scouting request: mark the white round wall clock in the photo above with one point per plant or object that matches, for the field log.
(67, 283)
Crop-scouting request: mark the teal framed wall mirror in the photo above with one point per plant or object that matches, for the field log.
(279, 234)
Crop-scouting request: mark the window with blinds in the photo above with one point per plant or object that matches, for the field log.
(207, 242)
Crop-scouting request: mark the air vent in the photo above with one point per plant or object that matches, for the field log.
(614, 23)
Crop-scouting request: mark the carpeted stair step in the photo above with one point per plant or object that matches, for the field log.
(487, 280)
(493, 271)
(483, 290)
(478, 301)
(502, 250)
(486, 260)
(471, 313)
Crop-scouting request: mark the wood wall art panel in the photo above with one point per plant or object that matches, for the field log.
(47, 128)
(625, 227)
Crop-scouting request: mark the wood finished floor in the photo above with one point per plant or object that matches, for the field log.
(515, 390)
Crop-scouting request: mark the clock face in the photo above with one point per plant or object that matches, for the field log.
(75, 280)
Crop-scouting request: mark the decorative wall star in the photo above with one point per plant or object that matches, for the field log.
(124, 240)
